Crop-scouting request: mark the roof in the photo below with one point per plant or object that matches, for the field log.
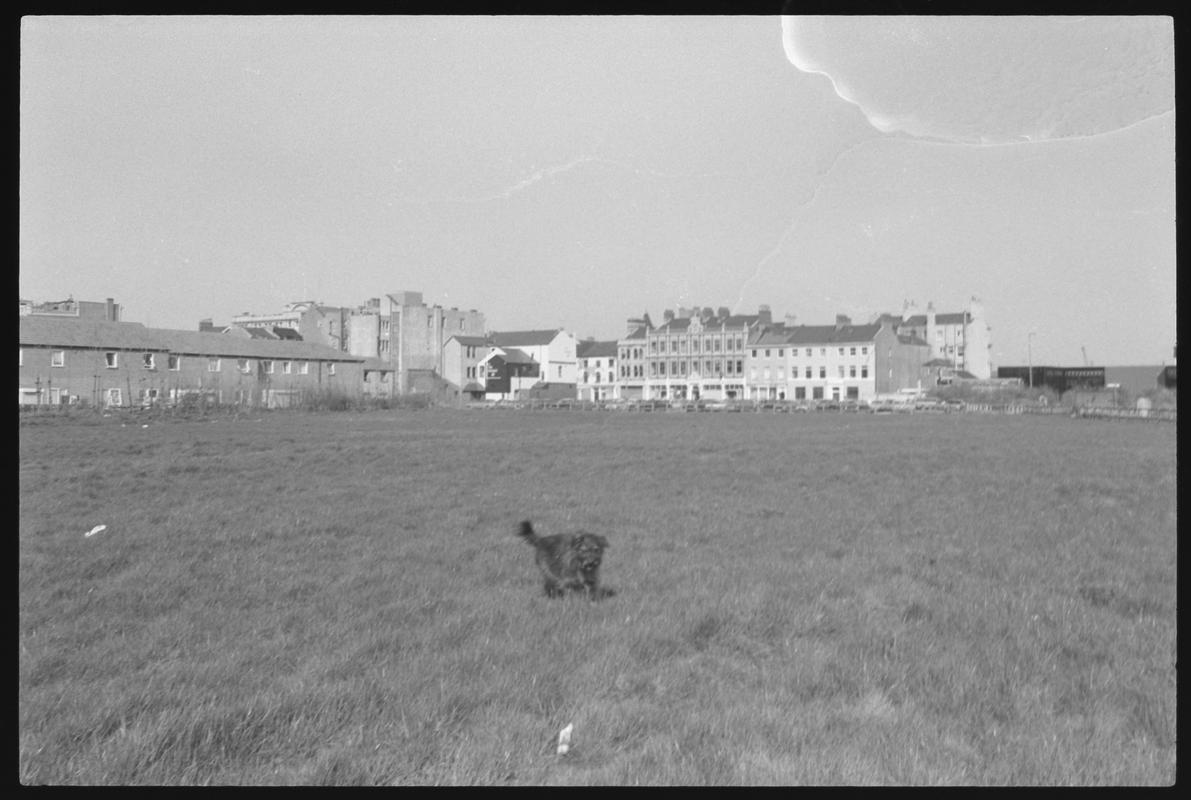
(98, 334)
(816, 334)
(511, 355)
(710, 324)
(523, 338)
(957, 318)
(470, 341)
(637, 333)
(593, 349)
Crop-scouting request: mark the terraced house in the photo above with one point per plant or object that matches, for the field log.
(833, 362)
(631, 365)
(699, 354)
(123, 364)
(597, 370)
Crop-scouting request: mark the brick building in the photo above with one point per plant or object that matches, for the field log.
(125, 364)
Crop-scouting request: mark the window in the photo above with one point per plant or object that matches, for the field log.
(808, 352)
(852, 371)
(57, 358)
(114, 398)
(841, 370)
(304, 368)
(793, 372)
(244, 365)
(111, 360)
(331, 368)
(781, 353)
(148, 361)
(822, 372)
(852, 351)
(267, 366)
(559, 371)
(767, 354)
(740, 367)
(754, 354)
(287, 367)
(864, 351)
(214, 364)
(864, 370)
(841, 351)
(822, 351)
(174, 362)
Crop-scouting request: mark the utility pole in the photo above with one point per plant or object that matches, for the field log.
(1030, 356)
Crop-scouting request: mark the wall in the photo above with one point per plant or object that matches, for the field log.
(86, 375)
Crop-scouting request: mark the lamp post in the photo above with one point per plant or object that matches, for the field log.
(1030, 355)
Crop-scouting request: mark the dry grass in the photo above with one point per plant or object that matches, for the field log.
(802, 599)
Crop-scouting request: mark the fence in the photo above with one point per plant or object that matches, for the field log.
(661, 406)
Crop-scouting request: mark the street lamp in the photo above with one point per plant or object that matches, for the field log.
(1030, 355)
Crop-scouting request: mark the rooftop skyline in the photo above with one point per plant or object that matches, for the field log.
(574, 172)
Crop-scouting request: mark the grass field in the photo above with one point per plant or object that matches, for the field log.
(801, 599)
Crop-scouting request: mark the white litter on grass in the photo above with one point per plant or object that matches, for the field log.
(95, 530)
(564, 739)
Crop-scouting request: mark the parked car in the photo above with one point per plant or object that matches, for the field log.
(953, 405)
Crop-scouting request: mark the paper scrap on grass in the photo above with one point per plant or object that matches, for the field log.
(564, 740)
(95, 530)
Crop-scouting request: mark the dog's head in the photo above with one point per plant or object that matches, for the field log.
(589, 551)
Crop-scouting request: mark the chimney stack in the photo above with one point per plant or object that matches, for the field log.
(765, 315)
(667, 316)
(842, 320)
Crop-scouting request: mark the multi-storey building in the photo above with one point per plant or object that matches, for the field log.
(553, 350)
(832, 362)
(961, 338)
(401, 329)
(462, 368)
(597, 370)
(631, 366)
(314, 322)
(125, 363)
(108, 310)
(699, 353)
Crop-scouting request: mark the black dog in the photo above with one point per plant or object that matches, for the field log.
(568, 561)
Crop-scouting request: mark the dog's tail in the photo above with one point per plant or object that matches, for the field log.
(526, 532)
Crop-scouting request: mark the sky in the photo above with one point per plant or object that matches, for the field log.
(575, 172)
